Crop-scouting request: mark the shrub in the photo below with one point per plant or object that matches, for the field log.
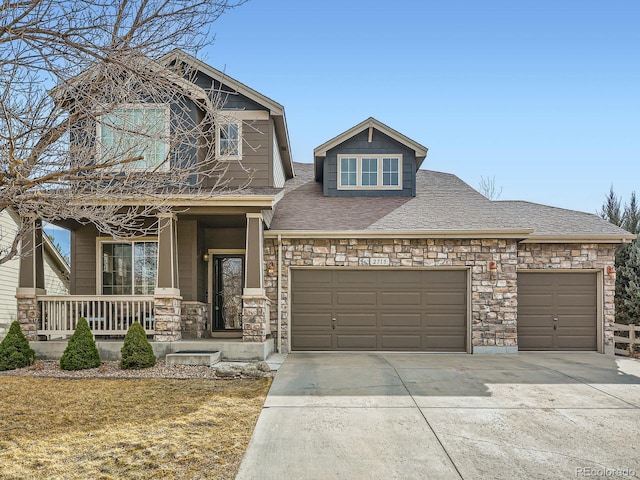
(15, 351)
(136, 351)
(81, 352)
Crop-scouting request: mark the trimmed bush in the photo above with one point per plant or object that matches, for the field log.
(15, 351)
(81, 352)
(136, 351)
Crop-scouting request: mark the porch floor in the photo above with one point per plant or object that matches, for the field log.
(232, 349)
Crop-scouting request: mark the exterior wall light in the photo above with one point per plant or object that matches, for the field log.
(205, 257)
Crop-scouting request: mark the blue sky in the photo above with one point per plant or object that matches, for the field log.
(543, 95)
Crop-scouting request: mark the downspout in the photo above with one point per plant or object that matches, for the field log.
(279, 293)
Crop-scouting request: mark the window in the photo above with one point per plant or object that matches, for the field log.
(348, 172)
(129, 268)
(390, 172)
(136, 131)
(229, 142)
(370, 172)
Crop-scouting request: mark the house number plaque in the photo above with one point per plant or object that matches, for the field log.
(379, 261)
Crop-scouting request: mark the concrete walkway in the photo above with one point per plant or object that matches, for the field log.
(406, 416)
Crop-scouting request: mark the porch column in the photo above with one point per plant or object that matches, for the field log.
(255, 304)
(31, 278)
(167, 299)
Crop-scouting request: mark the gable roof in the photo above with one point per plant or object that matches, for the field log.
(321, 151)
(444, 206)
(275, 109)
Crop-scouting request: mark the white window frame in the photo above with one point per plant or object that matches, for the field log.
(100, 241)
(238, 124)
(379, 186)
(136, 106)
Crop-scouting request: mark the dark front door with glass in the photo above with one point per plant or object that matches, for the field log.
(228, 276)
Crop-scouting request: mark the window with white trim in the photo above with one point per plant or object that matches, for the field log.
(370, 172)
(229, 140)
(348, 172)
(129, 268)
(133, 131)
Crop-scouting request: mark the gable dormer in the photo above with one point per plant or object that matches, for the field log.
(370, 159)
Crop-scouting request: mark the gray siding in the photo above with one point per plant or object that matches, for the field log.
(359, 145)
(188, 259)
(202, 275)
(229, 98)
(83, 261)
(226, 238)
(256, 155)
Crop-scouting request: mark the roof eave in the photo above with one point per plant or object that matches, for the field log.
(516, 234)
(598, 238)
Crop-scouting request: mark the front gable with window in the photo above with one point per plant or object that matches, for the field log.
(369, 160)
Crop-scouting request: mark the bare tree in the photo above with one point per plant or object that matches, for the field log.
(488, 188)
(96, 111)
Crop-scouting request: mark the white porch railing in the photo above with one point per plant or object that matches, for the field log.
(106, 314)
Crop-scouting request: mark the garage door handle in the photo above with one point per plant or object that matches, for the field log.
(333, 323)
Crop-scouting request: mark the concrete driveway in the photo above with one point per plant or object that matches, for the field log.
(424, 416)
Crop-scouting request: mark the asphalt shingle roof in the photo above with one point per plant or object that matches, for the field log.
(443, 202)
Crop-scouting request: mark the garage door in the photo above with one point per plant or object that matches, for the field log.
(396, 310)
(557, 311)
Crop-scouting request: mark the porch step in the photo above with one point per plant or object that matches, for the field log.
(206, 358)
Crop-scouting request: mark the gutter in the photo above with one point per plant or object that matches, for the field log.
(507, 233)
(601, 238)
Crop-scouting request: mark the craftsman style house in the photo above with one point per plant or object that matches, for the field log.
(360, 250)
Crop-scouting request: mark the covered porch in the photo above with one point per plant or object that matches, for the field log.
(200, 278)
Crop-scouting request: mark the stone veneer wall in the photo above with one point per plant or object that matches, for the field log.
(194, 318)
(554, 256)
(493, 291)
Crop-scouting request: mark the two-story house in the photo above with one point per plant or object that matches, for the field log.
(360, 250)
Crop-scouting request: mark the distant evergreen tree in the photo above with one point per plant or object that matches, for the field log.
(611, 210)
(627, 299)
(631, 216)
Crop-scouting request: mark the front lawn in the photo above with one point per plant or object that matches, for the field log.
(113, 429)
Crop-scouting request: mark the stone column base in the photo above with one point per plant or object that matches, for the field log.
(256, 322)
(167, 314)
(195, 316)
(29, 314)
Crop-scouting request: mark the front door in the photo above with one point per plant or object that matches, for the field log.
(228, 279)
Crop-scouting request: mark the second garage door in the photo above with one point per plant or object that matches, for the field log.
(557, 311)
(376, 310)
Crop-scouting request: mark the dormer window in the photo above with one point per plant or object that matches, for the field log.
(133, 131)
(370, 172)
(229, 140)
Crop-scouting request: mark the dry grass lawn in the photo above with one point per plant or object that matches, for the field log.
(113, 429)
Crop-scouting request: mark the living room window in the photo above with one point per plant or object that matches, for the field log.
(369, 172)
(135, 131)
(229, 140)
(129, 268)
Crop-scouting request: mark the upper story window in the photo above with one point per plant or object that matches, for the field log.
(129, 268)
(370, 172)
(229, 140)
(135, 131)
